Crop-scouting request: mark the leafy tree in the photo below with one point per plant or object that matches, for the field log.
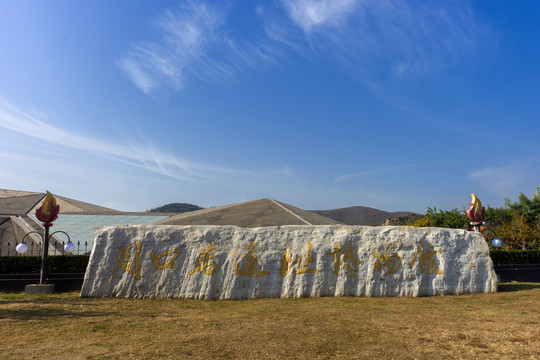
(523, 230)
(517, 233)
(536, 244)
(454, 219)
(496, 216)
(418, 222)
(530, 208)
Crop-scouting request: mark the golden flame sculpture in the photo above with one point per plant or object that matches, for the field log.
(476, 212)
(48, 211)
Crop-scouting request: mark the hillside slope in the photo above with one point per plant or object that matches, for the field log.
(363, 215)
(256, 213)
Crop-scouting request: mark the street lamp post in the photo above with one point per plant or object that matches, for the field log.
(22, 248)
(44, 256)
(47, 213)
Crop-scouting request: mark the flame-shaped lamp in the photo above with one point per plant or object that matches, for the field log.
(476, 212)
(47, 212)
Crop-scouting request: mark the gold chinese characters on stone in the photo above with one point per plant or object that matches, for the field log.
(346, 261)
(288, 262)
(252, 263)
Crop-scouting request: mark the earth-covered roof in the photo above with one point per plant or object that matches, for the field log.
(257, 213)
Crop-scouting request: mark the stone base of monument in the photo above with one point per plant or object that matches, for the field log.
(228, 262)
(39, 289)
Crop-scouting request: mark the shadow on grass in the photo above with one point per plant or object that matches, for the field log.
(515, 286)
(44, 314)
(44, 306)
(22, 298)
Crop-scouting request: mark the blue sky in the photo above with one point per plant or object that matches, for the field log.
(397, 105)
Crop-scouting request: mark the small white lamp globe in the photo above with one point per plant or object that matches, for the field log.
(497, 242)
(69, 247)
(21, 248)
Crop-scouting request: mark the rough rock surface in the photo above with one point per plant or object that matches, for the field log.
(228, 262)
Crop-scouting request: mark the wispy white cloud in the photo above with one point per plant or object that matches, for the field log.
(384, 38)
(190, 41)
(138, 75)
(388, 46)
(310, 14)
(145, 156)
(184, 36)
(377, 41)
(509, 179)
(380, 170)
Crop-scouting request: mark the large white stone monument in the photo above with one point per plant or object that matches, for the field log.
(228, 262)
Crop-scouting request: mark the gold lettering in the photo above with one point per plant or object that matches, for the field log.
(205, 265)
(168, 264)
(350, 260)
(126, 265)
(337, 258)
(286, 263)
(418, 251)
(426, 260)
(252, 263)
(304, 269)
(392, 262)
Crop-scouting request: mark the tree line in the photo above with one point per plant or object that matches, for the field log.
(517, 223)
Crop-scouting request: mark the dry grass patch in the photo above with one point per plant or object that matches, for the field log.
(505, 325)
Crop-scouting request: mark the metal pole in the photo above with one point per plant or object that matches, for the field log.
(43, 276)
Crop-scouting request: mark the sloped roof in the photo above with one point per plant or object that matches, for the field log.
(69, 206)
(21, 204)
(5, 193)
(257, 213)
(15, 202)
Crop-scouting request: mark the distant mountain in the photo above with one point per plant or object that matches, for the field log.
(362, 215)
(176, 208)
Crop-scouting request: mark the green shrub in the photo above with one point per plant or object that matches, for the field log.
(32, 264)
(453, 219)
